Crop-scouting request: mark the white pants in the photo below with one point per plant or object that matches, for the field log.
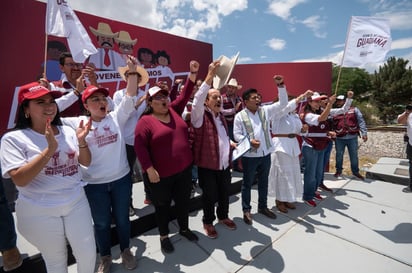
(49, 229)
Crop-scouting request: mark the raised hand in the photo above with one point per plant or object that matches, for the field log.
(51, 139)
(83, 130)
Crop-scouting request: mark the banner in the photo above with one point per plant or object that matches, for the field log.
(368, 41)
(61, 21)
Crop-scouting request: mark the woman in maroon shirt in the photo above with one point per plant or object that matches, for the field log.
(162, 147)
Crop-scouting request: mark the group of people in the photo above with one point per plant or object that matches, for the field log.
(73, 171)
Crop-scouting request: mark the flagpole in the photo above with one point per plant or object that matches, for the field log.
(45, 58)
(343, 56)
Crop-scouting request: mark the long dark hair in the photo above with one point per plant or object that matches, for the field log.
(308, 109)
(24, 122)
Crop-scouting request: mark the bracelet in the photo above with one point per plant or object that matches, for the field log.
(193, 72)
(132, 73)
(83, 146)
(281, 84)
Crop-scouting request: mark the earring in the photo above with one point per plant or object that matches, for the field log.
(26, 115)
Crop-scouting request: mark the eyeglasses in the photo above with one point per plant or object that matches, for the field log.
(256, 97)
(74, 65)
(160, 97)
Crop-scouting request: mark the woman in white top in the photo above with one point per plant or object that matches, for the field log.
(108, 180)
(42, 158)
(285, 180)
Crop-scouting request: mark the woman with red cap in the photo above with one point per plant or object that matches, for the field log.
(42, 157)
(108, 176)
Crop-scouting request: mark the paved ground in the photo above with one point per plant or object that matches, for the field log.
(362, 227)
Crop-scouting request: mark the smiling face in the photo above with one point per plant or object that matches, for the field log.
(214, 100)
(315, 105)
(40, 110)
(97, 105)
(71, 69)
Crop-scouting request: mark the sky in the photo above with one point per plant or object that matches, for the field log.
(263, 31)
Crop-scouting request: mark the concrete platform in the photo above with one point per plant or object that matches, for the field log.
(364, 226)
(394, 170)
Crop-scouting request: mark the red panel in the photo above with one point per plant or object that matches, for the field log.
(23, 49)
(299, 77)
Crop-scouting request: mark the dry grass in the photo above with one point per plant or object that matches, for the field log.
(364, 162)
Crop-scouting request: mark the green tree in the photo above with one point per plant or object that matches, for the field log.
(391, 88)
(355, 79)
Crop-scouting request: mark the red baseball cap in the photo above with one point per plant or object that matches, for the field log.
(91, 89)
(35, 90)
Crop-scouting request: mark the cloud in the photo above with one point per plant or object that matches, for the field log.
(398, 20)
(243, 60)
(315, 23)
(282, 8)
(276, 44)
(187, 18)
(401, 43)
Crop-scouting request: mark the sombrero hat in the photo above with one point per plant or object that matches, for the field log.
(103, 29)
(124, 38)
(142, 72)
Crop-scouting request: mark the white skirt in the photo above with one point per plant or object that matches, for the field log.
(285, 179)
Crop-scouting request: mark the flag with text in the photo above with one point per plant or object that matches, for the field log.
(61, 21)
(368, 41)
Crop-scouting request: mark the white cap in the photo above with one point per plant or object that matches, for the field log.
(154, 90)
(340, 97)
(316, 96)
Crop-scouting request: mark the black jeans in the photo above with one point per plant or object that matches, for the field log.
(178, 188)
(409, 157)
(215, 188)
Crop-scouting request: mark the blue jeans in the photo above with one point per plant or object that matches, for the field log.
(313, 174)
(7, 228)
(352, 144)
(328, 150)
(255, 167)
(107, 199)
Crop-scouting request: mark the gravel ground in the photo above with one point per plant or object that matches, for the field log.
(381, 143)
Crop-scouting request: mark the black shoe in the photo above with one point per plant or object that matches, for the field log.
(407, 189)
(358, 175)
(167, 245)
(268, 213)
(188, 234)
(247, 218)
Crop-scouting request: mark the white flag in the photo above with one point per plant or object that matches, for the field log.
(368, 41)
(61, 21)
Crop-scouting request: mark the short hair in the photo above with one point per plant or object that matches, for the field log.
(162, 53)
(248, 92)
(63, 57)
